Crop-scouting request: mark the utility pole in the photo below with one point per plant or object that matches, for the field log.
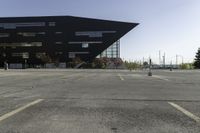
(182, 60)
(177, 61)
(143, 62)
(164, 60)
(160, 58)
(143, 59)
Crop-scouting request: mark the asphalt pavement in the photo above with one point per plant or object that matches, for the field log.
(99, 101)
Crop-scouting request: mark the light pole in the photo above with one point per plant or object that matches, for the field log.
(164, 56)
(171, 67)
(159, 57)
(150, 62)
(177, 59)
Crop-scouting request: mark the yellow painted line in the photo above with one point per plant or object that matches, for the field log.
(5, 116)
(184, 111)
(120, 76)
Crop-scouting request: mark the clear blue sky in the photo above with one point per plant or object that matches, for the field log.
(172, 26)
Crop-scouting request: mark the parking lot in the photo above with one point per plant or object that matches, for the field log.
(99, 101)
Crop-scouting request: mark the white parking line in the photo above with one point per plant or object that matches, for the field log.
(120, 76)
(13, 94)
(28, 97)
(5, 116)
(160, 77)
(187, 113)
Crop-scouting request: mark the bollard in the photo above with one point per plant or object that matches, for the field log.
(149, 73)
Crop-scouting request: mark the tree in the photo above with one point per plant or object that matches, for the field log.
(117, 62)
(132, 65)
(197, 60)
(99, 63)
(45, 58)
(186, 66)
(75, 61)
(145, 64)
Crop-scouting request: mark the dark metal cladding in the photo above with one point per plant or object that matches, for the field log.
(60, 37)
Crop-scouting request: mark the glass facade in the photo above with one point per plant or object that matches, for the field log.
(111, 52)
(24, 55)
(2, 35)
(26, 24)
(53, 39)
(93, 34)
(30, 34)
(22, 44)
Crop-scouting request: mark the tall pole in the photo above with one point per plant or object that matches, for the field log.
(177, 61)
(159, 57)
(164, 60)
(143, 60)
(182, 60)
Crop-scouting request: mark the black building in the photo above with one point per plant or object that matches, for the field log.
(38, 40)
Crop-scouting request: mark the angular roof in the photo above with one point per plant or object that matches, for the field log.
(99, 34)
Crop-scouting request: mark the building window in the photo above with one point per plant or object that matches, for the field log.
(30, 24)
(58, 32)
(88, 42)
(27, 34)
(41, 33)
(52, 24)
(58, 42)
(40, 55)
(23, 44)
(8, 25)
(24, 55)
(73, 54)
(25, 24)
(90, 34)
(85, 45)
(93, 34)
(4, 35)
(30, 34)
(35, 44)
(112, 52)
(58, 53)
